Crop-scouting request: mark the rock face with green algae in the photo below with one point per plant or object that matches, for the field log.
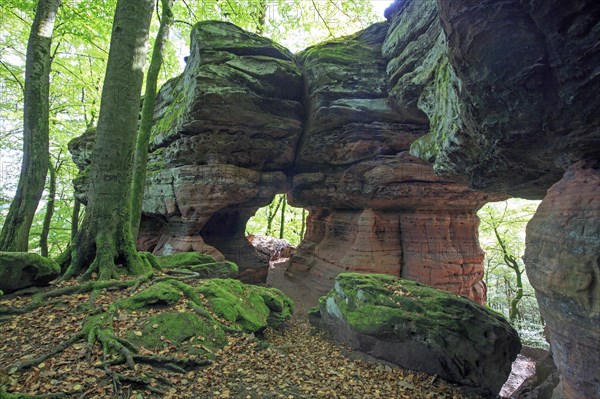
(225, 131)
(420, 328)
(22, 269)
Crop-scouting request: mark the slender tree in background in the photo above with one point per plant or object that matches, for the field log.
(511, 262)
(143, 136)
(36, 156)
(282, 224)
(53, 170)
(303, 225)
(104, 240)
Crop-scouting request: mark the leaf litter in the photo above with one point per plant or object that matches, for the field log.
(298, 362)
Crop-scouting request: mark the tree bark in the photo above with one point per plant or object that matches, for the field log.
(104, 240)
(143, 136)
(75, 219)
(49, 208)
(34, 167)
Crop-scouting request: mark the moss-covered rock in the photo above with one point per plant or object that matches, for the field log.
(159, 294)
(421, 328)
(205, 265)
(187, 331)
(22, 269)
(184, 259)
(224, 269)
(248, 307)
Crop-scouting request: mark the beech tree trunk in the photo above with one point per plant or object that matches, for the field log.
(34, 167)
(143, 136)
(104, 241)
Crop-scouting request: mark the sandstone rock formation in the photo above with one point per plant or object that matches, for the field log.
(374, 207)
(563, 265)
(225, 130)
(496, 95)
(237, 127)
(421, 328)
(511, 108)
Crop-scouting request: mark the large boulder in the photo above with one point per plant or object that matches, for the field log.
(420, 328)
(22, 269)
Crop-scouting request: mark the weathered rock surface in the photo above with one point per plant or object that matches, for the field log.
(374, 207)
(499, 95)
(224, 131)
(511, 107)
(520, 80)
(22, 269)
(563, 265)
(420, 328)
(274, 248)
(247, 121)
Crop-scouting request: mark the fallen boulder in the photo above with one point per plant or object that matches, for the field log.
(418, 327)
(22, 269)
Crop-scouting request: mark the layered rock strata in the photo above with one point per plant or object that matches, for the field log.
(563, 265)
(225, 130)
(374, 207)
(499, 95)
(513, 109)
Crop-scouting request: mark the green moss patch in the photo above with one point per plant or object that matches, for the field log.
(184, 259)
(190, 333)
(251, 308)
(159, 294)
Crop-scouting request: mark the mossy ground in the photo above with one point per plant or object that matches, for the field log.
(184, 259)
(159, 324)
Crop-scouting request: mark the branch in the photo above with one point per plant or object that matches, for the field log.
(321, 17)
(13, 75)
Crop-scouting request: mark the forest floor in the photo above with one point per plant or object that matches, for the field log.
(298, 362)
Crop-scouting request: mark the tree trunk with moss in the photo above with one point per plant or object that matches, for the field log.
(75, 219)
(143, 136)
(104, 240)
(15, 231)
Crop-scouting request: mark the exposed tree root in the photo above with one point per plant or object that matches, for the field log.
(5, 395)
(41, 299)
(37, 360)
(98, 329)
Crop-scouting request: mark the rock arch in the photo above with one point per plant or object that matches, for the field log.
(382, 135)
